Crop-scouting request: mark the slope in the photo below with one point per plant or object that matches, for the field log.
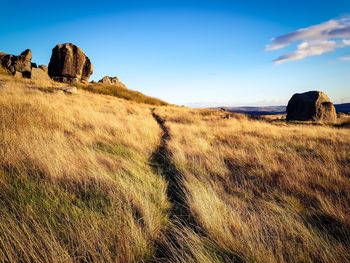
(75, 180)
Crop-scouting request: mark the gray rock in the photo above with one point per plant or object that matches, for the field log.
(68, 90)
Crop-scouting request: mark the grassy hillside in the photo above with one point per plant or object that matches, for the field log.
(116, 90)
(94, 178)
(75, 179)
(120, 91)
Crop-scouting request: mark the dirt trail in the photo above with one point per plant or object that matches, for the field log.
(180, 215)
(172, 248)
(162, 162)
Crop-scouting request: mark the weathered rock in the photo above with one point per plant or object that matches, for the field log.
(311, 106)
(39, 74)
(44, 68)
(68, 64)
(68, 90)
(109, 80)
(34, 65)
(18, 64)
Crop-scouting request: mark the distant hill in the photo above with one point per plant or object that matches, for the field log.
(344, 107)
(268, 110)
(271, 110)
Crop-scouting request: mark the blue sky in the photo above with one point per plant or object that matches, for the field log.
(196, 53)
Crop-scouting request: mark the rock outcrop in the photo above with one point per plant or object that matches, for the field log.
(109, 80)
(69, 64)
(311, 106)
(18, 65)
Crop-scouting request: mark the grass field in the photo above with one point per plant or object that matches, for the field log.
(95, 178)
(76, 184)
(263, 191)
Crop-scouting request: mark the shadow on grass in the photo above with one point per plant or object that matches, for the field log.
(330, 227)
(180, 214)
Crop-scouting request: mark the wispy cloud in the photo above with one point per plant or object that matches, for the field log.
(315, 40)
(345, 58)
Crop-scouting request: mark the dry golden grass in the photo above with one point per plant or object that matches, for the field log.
(121, 91)
(79, 182)
(260, 191)
(75, 179)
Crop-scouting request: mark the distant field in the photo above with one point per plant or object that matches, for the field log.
(270, 110)
(96, 178)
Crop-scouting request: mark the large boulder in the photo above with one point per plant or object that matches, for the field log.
(69, 64)
(311, 106)
(109, 80)
(17, 65)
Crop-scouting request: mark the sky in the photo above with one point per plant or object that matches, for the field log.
(196, 53)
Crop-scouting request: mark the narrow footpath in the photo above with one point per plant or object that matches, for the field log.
(180, 215)
(172, 248)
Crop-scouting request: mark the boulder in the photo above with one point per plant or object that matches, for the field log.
(18, 65)
(311, 106)
(40, 74)
(69, 64)
(109, 80)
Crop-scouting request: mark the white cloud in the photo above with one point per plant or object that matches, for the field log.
(316, 40)
(307, 49)
(346, 42)
(345, 58)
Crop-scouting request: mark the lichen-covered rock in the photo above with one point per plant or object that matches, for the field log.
(311, 106)
(69, 64)
(17, 65)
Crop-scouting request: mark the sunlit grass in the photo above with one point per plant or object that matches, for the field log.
(266, 192)
(76, 184)
(120, 91)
